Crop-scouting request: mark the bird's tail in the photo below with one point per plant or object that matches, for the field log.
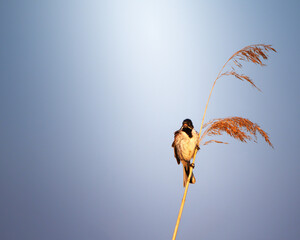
(186, 172)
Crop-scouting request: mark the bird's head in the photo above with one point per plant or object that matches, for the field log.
(187, 123)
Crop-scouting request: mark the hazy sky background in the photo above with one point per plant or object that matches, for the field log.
(91, 93)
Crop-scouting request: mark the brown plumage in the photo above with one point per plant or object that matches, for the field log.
(186, 141)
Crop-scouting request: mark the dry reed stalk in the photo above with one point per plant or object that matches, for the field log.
(253, 53)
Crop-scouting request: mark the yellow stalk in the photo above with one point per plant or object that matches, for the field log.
(191, 168)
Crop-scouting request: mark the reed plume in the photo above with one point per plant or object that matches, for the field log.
(254, 53)
(239, 128)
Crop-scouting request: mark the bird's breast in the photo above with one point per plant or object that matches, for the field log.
(185, 146)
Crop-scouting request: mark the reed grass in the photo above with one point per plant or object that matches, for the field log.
(236, 127)
(239, 128)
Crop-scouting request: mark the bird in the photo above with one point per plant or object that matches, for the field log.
(186, 141)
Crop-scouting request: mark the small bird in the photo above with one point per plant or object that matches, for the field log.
(186, 141)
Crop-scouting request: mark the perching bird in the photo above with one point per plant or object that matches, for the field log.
(186, 140)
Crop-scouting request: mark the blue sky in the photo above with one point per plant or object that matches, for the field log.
(91, 94)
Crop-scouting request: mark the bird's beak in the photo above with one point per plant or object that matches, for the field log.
(186, 126)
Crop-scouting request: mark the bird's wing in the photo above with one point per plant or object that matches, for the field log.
(176, 156)
(175, 150)
(175, 134)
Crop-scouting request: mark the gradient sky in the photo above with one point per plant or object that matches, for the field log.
(91, 93)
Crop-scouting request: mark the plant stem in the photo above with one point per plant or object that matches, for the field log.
(191, 168)
(183, 200)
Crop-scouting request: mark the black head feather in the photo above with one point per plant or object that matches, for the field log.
(188, 122)
(187, 127)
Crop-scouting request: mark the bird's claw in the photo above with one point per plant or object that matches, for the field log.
(193, 165)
